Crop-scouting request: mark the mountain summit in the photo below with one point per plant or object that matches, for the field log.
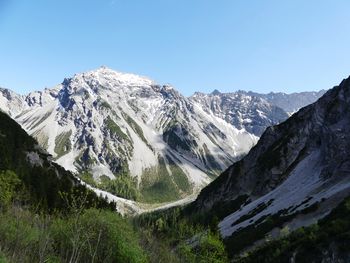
(106, 124)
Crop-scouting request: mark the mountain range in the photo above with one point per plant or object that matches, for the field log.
(296, 174)
(105, 124)
(284, 198)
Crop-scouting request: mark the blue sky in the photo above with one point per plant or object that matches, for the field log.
(195, 45)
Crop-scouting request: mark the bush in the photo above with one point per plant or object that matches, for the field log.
(96, 236)
(209, 249)
(9, 183)
(2, 258)
(87, 236)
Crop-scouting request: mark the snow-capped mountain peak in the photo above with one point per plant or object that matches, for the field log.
(109, 123)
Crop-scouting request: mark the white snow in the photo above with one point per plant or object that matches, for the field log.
(303, 182)
(147, 105)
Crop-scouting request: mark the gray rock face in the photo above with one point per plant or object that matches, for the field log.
(302, 162)
(243, 111)
(111, 123)
(289, 102)
(11, 102)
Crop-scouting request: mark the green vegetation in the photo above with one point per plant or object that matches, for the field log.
(308, 244)
(78, 233)
(173, 237)
(44, 184)
(88, 178)
(248, 235)
(80, 229)
(180, 178)
(136, 128)
(85, 159)
(84, 235)
(106, 105)
(115, 130)
(9, 185)
(2, 258)
(157, 185)
(208, 249)
(102, 103)
(63, 144)
(121, 160)
(218, 212)
(123, 185)
(47, 216)
(174, 141)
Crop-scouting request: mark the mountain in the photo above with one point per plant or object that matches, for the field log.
(137, 139)
(295, 175)
(243, 111)
(11, 102)
(46, 184)
(289, 102)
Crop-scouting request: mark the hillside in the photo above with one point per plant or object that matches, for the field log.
(45, 181)
(296, 174)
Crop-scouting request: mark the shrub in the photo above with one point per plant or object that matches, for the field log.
(9, 182)
(96, 236)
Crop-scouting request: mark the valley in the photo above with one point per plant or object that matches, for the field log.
(160, 170)
(138, 140)
(174, 131)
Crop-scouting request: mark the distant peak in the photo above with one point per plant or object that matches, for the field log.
(169, 91)
(104, 74)
(216, 92)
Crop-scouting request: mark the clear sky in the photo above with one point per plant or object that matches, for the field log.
(195, 45)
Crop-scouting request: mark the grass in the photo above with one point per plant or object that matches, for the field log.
(157, 185)
(63, 144)
(136, 128)
(180, 178)
(115, 130)
(88, 178)
(111, 156)
(2, 258)
(104, 104)
(123, 185)
(173, 140)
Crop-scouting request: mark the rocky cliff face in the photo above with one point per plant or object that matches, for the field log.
(298, 171)
(47, 185)
(289, 102)
(109, 123)
(243, 111)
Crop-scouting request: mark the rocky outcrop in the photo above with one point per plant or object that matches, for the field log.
(298, 171)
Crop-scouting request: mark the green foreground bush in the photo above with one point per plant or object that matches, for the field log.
(92, 236)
